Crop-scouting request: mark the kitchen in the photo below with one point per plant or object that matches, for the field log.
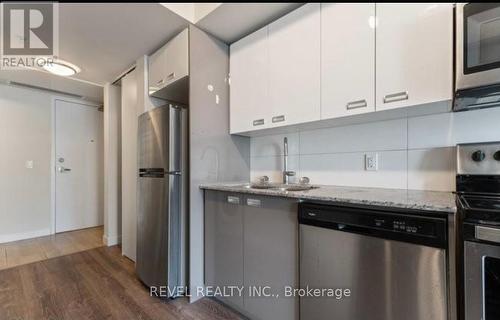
(304, 161)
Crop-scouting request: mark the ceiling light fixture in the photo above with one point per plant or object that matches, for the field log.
(62, 68)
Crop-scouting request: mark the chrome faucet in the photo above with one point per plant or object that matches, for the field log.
(286, 173)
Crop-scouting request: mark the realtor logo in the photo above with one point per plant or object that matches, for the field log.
(29, 34)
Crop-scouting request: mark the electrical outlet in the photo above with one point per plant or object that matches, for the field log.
(371, 161)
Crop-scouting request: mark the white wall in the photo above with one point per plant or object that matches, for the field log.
(215, 156)
(25, 134)
(414, 153)
(112, 165)
(129, 113)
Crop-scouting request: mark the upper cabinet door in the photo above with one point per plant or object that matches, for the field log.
(177, 65)
(294, 67)
(157, 63)
(347, 59)
(249, 83)
(414, 54)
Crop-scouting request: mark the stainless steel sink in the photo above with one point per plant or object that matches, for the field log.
(281, 187)
(262, 186)
(297, 187)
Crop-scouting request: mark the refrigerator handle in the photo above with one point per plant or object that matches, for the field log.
(175, 173)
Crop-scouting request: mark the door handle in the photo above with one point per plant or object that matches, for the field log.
(280, 118)
(258, 122)
(356, 104)
(173, 173)
(63, 169)
(396, 97)
(233, 200)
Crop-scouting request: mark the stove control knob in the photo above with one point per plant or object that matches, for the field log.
(478, 156)
(496, 155)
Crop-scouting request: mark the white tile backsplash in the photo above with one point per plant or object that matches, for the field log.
(477, 126)
(450, 129)
(272, 166)
(273, 145)
(432, 169)
(372, 136)
(432, 131)
(414, 152)
(348, 169)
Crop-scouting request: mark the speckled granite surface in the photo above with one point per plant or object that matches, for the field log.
(394, 198)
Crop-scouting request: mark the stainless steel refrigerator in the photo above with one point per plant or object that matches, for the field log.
(161, 227)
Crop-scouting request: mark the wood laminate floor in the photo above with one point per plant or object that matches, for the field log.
(94, 284)
(37, 249)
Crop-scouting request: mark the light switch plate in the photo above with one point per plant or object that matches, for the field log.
(371, 161)
(29, 164)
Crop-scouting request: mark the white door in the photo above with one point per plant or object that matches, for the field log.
(347, 59)
(79, 166)
(249, 66)
(294, 66)
(414, 54)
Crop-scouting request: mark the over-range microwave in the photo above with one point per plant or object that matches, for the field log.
(477, 56)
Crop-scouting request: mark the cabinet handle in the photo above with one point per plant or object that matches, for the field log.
(258, 122)
(356, 104)
(170, 76)
(278, 119)
(396, 97)
(253, 202)
(233, 200)
(159, 81)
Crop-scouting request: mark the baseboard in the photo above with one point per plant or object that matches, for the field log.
(111, 241)
(24, 235)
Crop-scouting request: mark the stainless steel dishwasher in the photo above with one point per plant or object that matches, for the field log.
(393, 264)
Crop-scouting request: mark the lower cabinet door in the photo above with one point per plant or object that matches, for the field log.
(270, 246)
(224, 243)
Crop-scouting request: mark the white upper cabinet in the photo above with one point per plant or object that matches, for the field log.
(170, 63)
(347, 59)
(414, 54)
(334, 60)
(249, 83)
(294, 67)
(157, 64)
(177, 65)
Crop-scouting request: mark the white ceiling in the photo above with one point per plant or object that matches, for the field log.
(104, 39)
(45, 80)
(232, 21)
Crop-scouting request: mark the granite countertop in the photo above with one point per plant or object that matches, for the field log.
(393, 198)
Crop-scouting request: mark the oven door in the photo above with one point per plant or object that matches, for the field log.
(482, 275)
(478, 44)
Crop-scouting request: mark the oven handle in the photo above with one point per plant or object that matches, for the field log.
(487, 234)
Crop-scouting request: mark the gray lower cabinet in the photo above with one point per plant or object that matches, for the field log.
(266, 231)
(224, 243)
(270, 250)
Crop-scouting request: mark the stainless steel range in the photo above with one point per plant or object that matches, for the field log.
(478, 195)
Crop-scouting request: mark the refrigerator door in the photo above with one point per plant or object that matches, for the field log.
(159, 213)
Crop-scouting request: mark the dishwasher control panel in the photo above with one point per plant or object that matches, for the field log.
(397, 225)
(406, 225)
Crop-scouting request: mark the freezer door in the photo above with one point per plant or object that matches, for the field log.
(161, 137)
(158, 234)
